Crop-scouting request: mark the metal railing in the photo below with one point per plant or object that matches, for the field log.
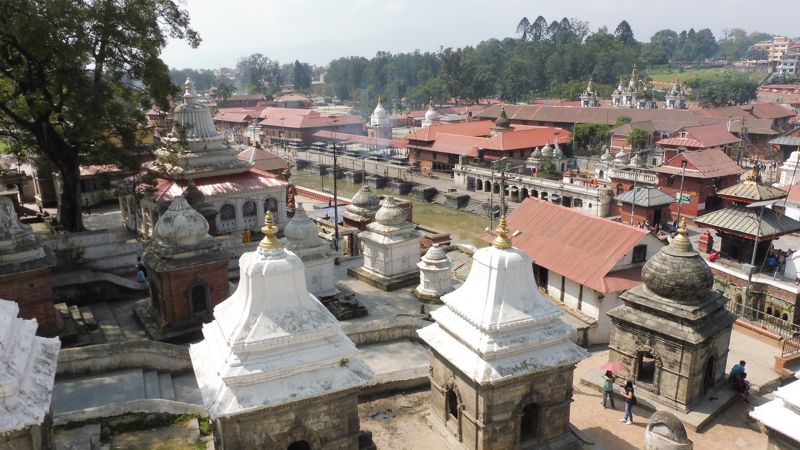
(791, 347)
(763, 320)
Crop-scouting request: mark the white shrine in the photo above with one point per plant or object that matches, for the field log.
(275, 369)
(302, 239)
(675, 99)
(379, 124)
(434, 275)
(781, 417)
(27, 370)
(431, 115)
(390, 246)
(789, 173)
(502, 360)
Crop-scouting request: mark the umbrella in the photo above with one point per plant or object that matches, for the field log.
(614, 366)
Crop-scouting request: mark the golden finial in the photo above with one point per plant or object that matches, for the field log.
(270, 242)
(682, 228)
(754, 174)
(430, 102)
(502, 239)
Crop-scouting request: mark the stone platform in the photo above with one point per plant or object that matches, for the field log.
(384, 283)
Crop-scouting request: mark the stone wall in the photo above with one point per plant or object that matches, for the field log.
(99, 250)
(148, 355)
(28, 438)
(33, 292)
(489, 417)
(329, 422)
(173, 291)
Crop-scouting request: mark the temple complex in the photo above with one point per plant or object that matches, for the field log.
(195, 150)
(434, 275)
(25, 271)
(187, 269)
(501, 359)
(673, 332)
(27, 370)
(275, 369)
(302, 239)
(390, 246)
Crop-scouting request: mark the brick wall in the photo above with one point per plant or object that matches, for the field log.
(34, 294)
(173, 286)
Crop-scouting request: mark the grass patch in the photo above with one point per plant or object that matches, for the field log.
(667, 73)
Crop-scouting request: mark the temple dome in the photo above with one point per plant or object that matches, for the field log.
(365, 199)
(435, 254)
(502, 120)
(678, 272)
(431, 115)
(180, 225)
(621, 158)
(379, 110)
(607, 156)
(547, 151)
(301, 227)
(557, 153)
(390, 213)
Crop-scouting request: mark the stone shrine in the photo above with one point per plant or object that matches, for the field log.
(275, 369)
(187, 269)
(302, 239)
(666, 432)
(362, 208)
(27, 370)
(434, 275)
(502, 361)
(673, 331)
(390, 246)
(25, 271)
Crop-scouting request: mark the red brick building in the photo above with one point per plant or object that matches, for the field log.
(294, 123)
(706, 172)
(700, 137)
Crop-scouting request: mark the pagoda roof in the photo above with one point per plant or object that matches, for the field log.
(645, 197)
(751, 191)
(744, 222)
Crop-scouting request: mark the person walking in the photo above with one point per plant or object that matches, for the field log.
(608, 388)
(630, 400)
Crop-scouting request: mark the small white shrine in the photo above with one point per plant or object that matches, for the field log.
(431, 115)
(390, 246)
(502, 360)
(789, 173)
(27, 370)
(275, 369)
(302, 239)
(781, 417)
(434, 275)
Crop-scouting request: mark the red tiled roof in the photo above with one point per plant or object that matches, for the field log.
(293, 98)
(474, 128)
(238, 115)
(760, 110)
(326, 134)
(250, 180)
(272, 111)
(456, 144)
(702, 136)
(87, 171)
(312, 119)
(708, 163)
(580, 247)
(528, 137)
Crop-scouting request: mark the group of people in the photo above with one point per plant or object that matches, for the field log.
(627, 393)
(776, 262)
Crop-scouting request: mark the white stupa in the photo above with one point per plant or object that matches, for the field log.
(302, 239)
(27, 370)
(431, 115)
(272, 343)
(379, 117)
(434, 274)
(789, 173)
(497, 325)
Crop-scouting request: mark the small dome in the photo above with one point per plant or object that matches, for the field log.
(431, 115)
(678, 272)
(502, 120)
(607, 156)
(557, 153)
(621, 158)
(547, 150)
(794, 156)
(366, 199)
(379, 111)
(301, 227)
(636, 161)
(435, 254)
(390, 213)
(180, 225)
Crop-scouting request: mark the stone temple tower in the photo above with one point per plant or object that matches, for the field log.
(673, 331)
(501, 359)
(275, 369)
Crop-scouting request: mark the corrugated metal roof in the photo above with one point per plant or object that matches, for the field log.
(580, 247)
(645, 197)
(744, 221)
(752, 191)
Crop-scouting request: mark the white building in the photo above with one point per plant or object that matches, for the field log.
(302, 238)
(582, 261)
(781, 418)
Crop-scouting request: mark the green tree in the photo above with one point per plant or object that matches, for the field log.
(224, 91)
(301, 75)
(622, 120)
(588, 136)
(66, 72)
(624, 34)
(728, 89)
(638, 138)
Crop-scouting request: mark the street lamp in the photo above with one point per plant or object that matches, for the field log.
(335, 198)
(750, 268)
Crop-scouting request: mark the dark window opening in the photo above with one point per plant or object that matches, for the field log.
(647, 367)
(452, 404)
(299, 445)
(639, 253)
(529, 425)
(199, 300)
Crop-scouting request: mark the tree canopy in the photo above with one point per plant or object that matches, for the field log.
(728, 89)
(76, 78)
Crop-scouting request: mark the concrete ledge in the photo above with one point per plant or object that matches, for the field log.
(424, 297)
(124, 355)
(382, 283)
(382, 330)
(134, 406)
(398, 365)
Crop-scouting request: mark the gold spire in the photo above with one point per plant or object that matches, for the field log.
(430, 102)
(270, 242)
(681, 241)
(502, 240)
(682, 228)
(754, 174)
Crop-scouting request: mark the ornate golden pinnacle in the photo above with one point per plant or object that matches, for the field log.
(270, 242)
(502, 239)
(682, 228)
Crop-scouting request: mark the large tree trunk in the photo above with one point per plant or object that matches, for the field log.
(65, 159)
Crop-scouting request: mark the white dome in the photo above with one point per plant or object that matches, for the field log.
(557, 153)
(365, 199)
(794, 156)
(180, 225)
(607, 156)
(379, 110)
(621, 158)
(431, 114)
(390, 213)
(301, 227)
(547, 151)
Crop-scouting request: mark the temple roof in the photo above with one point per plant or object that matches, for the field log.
(27, 370)
(744, 222)
(751, 191)
(645, 197)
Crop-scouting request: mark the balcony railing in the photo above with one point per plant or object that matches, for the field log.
(763, 320)
(640, 177)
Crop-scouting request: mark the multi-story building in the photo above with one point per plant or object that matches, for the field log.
(775, 48)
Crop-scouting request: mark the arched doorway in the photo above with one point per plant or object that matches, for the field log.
(271, 205)
(451, 400)
(487, 186)
(250, 214)
(227, 217)
(708, 375)
(523, 194)
(529, 422)
(299, 445)
(199, 298)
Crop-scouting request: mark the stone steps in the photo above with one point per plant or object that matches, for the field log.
(106, 322)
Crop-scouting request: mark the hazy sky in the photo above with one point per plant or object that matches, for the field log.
(317, 31)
